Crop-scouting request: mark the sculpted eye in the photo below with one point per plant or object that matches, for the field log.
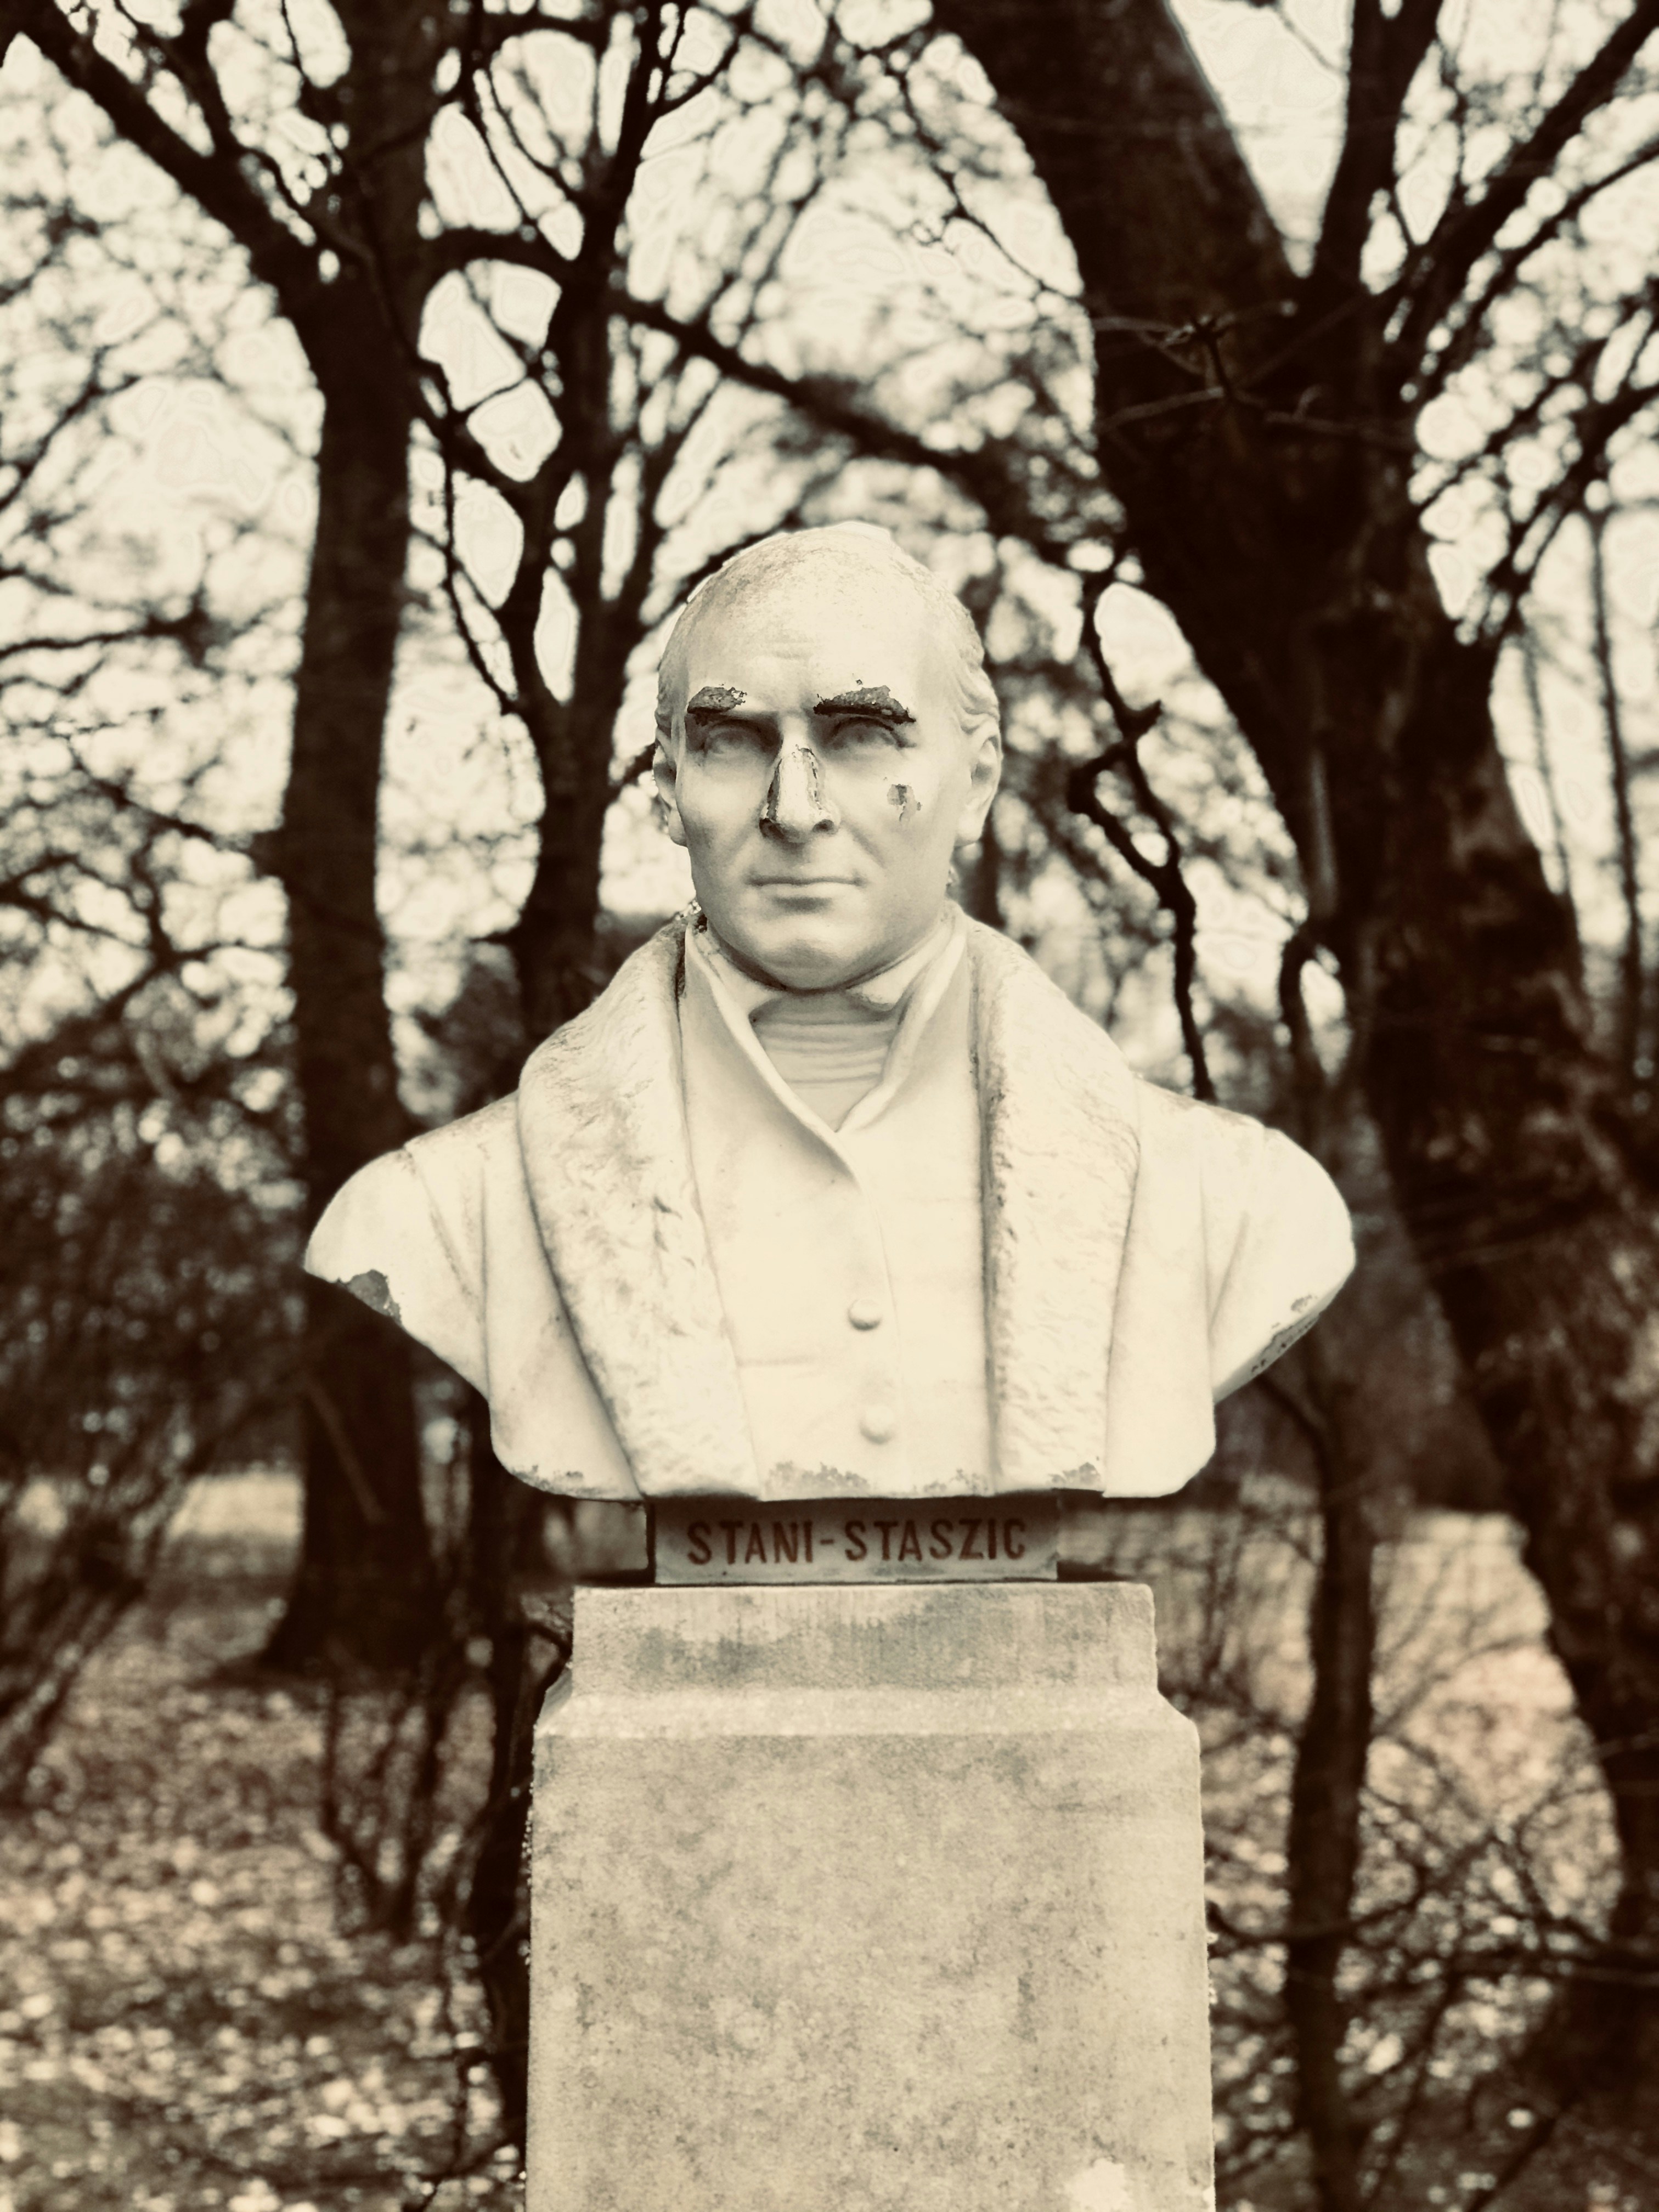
(857, 732)
(725, 739)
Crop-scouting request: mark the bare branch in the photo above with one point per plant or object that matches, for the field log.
(1384, 55)
(1541, 761)
(982, 471)
(1472, 331)
(1465, 232)
(1628, 1026)
(1164, 877)
(1531, 535)
(218, 182)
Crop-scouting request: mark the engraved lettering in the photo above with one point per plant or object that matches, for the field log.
(886, 1539)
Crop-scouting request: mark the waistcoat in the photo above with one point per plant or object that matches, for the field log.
(850, 1262)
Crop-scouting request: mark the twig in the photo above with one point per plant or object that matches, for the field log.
(1164, 877)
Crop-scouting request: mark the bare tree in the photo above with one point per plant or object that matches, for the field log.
(1257, 457)
(322, 181)
(144, 1145)
(1259, 425)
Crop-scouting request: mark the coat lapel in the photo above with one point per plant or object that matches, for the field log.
(607, 1158)
(608, 1161)
(1059, 1119)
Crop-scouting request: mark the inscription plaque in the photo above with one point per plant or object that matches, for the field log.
(857, 1540)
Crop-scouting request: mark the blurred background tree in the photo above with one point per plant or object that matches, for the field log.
(1288, 429)
(147, 1143)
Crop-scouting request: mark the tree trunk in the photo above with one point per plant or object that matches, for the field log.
(352, 294)
(363, 1586)
(1264, 474)
(520, 1665)
(1323, 1843)
(552, 940)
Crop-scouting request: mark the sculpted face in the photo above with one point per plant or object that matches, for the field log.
(821, 779)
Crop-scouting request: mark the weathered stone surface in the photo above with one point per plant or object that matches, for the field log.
(868, 1899)
(857, 1540)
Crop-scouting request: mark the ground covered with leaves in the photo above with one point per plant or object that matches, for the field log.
(194, 2014)
(184, 2021)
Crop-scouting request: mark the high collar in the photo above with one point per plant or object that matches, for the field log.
(918, 983)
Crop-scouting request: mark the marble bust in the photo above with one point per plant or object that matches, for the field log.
(832, 1192)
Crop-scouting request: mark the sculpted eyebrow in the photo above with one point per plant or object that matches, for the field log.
(875, 700)
(713, 700)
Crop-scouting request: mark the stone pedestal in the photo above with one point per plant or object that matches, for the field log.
(867, 1900)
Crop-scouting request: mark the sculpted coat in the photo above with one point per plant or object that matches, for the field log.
(1141, 1256)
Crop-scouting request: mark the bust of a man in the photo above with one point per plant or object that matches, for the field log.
(831, 1193)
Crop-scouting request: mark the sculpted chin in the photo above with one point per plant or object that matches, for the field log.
(832, 1194)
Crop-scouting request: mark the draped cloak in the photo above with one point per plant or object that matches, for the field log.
(1144, 1254)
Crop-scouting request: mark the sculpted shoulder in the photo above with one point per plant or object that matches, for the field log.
(457, 1158)
(1278, 1240)
(405, 1234)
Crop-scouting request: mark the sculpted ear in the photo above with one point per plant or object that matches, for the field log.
(662, 769)
(985, 773)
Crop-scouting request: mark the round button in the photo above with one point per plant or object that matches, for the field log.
(879, 1423)
(864, 1313)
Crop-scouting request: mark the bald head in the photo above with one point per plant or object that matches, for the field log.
(827, 737)
(837, 565)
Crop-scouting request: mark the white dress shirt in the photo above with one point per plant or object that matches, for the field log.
(849, 1259)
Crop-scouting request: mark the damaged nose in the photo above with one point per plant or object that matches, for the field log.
(797, 802)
